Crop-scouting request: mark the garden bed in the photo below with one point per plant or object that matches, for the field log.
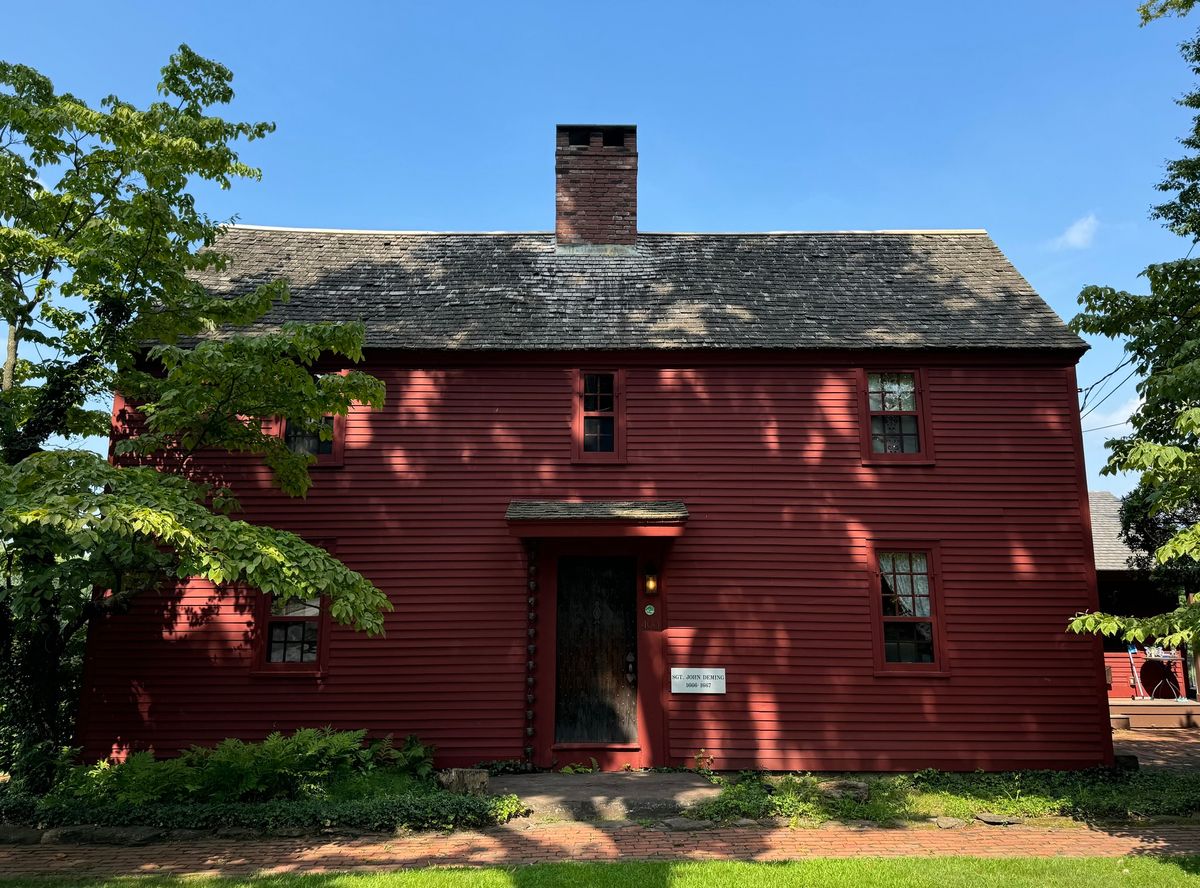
(310, 782)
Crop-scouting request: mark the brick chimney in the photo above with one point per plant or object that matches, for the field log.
(595, 171)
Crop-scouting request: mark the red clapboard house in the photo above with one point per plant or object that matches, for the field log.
(789, 500)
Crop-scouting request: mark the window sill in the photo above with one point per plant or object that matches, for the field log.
(911, 673)
(609, 747)
(585, 461)
(269, 672)
(881, 460)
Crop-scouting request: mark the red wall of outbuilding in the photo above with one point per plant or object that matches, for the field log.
(770, 578)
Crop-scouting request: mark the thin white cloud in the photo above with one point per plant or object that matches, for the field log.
(1079, 234)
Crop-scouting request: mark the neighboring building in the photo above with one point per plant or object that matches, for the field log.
(1141, 682)
(798, 500)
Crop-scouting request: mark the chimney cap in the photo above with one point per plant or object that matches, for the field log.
(598, 126)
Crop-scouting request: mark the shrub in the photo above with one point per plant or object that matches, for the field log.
(753, 796)
(15, 806)
(302, 765)
(423, 810)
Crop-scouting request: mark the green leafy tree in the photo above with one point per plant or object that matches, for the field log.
(100, 245)
(1155, 9)
(1161, 334)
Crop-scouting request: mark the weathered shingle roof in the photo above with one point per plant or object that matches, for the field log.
(945, 290)
(1111, 551)
(597, 510)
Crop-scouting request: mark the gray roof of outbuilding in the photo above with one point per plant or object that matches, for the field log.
(597, 510)
(1109, 546)
(513, 291)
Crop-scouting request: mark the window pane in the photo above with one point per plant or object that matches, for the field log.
(308, 442)
(908, 642)
(599, 434)
(895, 434)
(296, 607)
(294, 641)
(598, 393)
(891, 391)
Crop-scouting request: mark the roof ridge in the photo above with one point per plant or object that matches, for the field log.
(249, 227)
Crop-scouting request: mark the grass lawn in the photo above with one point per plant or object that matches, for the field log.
(825, 873)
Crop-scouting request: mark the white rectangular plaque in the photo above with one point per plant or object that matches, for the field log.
(696, 680)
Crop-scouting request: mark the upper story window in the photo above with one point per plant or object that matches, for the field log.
(309, 441)
(892, 400)
(598, 425)
(895, 429)
(599, 413)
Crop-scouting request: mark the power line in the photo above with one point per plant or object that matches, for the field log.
(1109, 426)
(1087, 392)
(1110, 393)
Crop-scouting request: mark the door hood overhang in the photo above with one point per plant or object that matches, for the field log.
(597, 518)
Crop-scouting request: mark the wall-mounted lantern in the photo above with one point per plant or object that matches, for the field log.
(651, 579)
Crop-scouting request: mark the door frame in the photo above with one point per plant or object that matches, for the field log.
(649, 748)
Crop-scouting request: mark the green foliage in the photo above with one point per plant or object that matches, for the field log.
(310, 779)
(1156, 9)
(1161, 335)
(1097, 794)
(1162, 340)
(303, 765)
(16, 806)
(581, 769)
(497, 767)
(101, 245)
(415, 810)
(106, 523)
(217, 393)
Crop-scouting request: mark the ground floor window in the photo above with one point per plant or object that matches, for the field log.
(906, 605)
(293, 631)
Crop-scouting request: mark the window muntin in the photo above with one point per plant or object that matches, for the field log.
(309, 441)
(599, 413)
(892, 405)
(293, 631)
(907, 607)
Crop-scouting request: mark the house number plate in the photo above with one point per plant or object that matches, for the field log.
(693, 680)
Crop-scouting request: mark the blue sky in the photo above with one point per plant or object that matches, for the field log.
(1045, 122)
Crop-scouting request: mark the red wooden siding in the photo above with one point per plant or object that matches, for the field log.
(770, 579)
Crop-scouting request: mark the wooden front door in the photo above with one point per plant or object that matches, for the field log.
(596, 667)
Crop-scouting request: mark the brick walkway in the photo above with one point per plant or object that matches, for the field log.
(525, 842)
(1161, 747)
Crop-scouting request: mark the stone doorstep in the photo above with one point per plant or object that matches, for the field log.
(621, 795)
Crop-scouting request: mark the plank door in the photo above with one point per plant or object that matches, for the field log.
(596, 658)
